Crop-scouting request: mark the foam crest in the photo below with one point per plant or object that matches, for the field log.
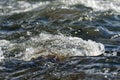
(46, 44)
(20, 6)
(96, 4)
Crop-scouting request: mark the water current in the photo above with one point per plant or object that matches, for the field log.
(59, 39)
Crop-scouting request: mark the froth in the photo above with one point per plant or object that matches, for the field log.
(101, 5)
(46, 44)
(20, 6)
(3, 43)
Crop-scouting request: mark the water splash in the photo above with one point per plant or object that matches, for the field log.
(60, 45)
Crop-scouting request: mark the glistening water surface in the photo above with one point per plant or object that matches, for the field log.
(59, 39)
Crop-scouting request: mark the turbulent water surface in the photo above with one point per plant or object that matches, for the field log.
(59, 39)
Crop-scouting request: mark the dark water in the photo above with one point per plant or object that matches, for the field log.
(59, 40)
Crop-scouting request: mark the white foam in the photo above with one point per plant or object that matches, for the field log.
(96, 4)
(24, 6)
(21, 6)
(14, 6)
(62, 45)
(46, 44)
(2, 44)
(1, 55)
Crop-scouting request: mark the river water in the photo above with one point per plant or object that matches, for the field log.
(59, 39)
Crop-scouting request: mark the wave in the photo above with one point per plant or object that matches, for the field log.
(48, 44)
(98, 5)
(13, 6)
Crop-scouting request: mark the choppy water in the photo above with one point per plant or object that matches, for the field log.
(59, 39)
